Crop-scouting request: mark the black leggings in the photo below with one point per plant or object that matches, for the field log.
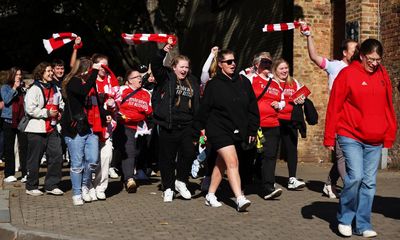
(289, 137)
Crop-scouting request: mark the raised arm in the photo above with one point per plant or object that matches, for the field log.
(205, 76)
(78, 44)
(157, 65)
(312, 52)
(77, 88)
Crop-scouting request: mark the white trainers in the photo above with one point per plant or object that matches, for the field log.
(329, 191)
(182, 189)
(55, 191)
(10, 179)
(242, 203)
(205, 184)
(369, 234)
(85, 194)
(345, 230)
(34, 192)
(92, 193)
(211, 200)
(168, 195)
(24, 179)
(77, 200)
(112, 173)
(295, 184)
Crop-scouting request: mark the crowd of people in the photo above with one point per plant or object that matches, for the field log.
(104, 124)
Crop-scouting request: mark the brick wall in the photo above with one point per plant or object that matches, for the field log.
(390, 37)
(318, 15)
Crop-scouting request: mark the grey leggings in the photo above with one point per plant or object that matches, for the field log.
(338, 168)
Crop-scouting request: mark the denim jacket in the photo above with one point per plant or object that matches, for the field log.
(7, 94)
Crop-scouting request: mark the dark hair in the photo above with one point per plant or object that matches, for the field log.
(39, 70)
(96, 57)
(222, 53)
(129, 73)
(11, 75)
(368, 46)
(80, 68)
(57, 62)
(345, 45)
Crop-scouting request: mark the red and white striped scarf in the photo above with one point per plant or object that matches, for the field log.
(138, 38)
(58, 40)
(276, 27)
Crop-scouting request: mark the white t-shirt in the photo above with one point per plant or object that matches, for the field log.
(332, 68)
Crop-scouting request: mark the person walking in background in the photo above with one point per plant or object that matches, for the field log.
(332, 68)
(43, 105)
(77, 127)
(177, 99)
(229, 115)
(12, 94)
(270, 101)
(134, 106)
(361, 115)
(288, 130)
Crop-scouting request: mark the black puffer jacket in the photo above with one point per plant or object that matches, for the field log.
(163, 98)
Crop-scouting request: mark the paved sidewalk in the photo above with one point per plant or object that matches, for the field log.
(301, 214)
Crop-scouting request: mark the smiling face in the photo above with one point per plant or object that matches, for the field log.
(181, 69)
(282, 71)
(228, 65)
(59, 71)
(371, 61)
(135, 80)
(47, 74)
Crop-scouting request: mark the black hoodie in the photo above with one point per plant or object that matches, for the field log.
(228, 105)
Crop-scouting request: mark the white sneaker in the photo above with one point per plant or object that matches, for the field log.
(211, 200)
(328, 191)
(295, 184)
(168, 195)
(205, 185)
(242, 203)
(182, 189)
(92, 193)
(345, 230)
(24, 179)
(77, 200)
(85, 194)
(100, 195)
(369, 234)
(34, 192)
(55, 191)
(10, 179)
(112, 173)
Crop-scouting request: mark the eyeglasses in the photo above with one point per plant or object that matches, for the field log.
(135, 77)
(373, 60)
(229, 61)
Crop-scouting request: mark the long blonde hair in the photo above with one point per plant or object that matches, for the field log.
(80, 69)
(289, 81)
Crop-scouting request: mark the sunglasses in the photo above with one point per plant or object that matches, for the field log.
(229, 61)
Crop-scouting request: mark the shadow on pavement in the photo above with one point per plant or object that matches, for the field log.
(322, 210)
(387, 206)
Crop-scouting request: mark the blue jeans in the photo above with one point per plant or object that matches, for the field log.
(359, 183)
(84, 155)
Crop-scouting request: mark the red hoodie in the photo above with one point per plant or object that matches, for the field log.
(360, 107)
(268, 115)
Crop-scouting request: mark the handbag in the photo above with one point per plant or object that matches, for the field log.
(23, 123)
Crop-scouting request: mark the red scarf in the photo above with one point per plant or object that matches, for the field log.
(93, 112)
(17, 110)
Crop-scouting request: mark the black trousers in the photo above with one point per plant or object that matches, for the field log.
(9, 156)
(268, 163)
(38, 143)
(172, 142)
(126, 144)
(289, 137)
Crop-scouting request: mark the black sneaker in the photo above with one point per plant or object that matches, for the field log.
(272, 193)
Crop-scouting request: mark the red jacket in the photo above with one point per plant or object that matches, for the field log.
(268, 115)
(136, 108)
(360, 107)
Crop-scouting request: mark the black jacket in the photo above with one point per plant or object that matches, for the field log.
(163, 98)
(228, 105)
(310, 113)
(76, 98)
